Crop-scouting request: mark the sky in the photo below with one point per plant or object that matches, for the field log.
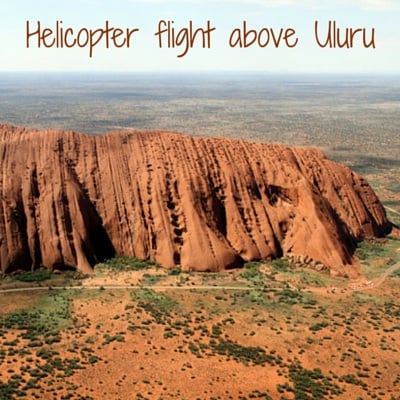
(293, 18)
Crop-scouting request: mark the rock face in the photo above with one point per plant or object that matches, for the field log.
(71, 200)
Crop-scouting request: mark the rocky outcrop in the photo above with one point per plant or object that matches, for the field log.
(71, 200)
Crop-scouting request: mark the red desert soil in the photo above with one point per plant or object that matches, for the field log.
(201, 203)
(125, 350)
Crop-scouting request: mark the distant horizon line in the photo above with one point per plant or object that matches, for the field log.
(202, 72)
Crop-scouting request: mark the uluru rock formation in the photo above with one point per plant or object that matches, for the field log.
(71, 200)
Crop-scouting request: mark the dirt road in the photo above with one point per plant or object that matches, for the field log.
(154, 287)
(369, 285)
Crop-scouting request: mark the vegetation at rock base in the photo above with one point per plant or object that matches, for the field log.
(127, 263)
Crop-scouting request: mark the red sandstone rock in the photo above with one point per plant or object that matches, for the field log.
(68, 199)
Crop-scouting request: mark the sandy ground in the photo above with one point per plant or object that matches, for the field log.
(126, 349)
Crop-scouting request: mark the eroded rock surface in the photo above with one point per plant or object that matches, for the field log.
(68, 199)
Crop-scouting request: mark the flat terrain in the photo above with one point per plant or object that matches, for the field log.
(270, 330)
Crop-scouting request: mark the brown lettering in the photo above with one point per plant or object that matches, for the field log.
(185, 37)
(244, 37)
(61, 37)
(337, 37)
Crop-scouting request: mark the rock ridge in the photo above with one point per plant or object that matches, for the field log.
(69, 200)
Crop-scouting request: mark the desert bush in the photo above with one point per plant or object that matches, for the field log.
(318, 326)
(150, 279)
(252, 273)
(366, 250)
(352, 380)
(281, 264)
(126, 263)
(309, 384)
(289, 296)
(174, 271)
(38, 275)
(158, 305)
(244, 354)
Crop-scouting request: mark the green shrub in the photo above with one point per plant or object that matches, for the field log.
(319, 326)
(244, 354)
(252, 273)
(310, 384)
(281, 264)
(159, 305)
(366, 250)
(38, 275)
(126, 263)
(175, 271)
